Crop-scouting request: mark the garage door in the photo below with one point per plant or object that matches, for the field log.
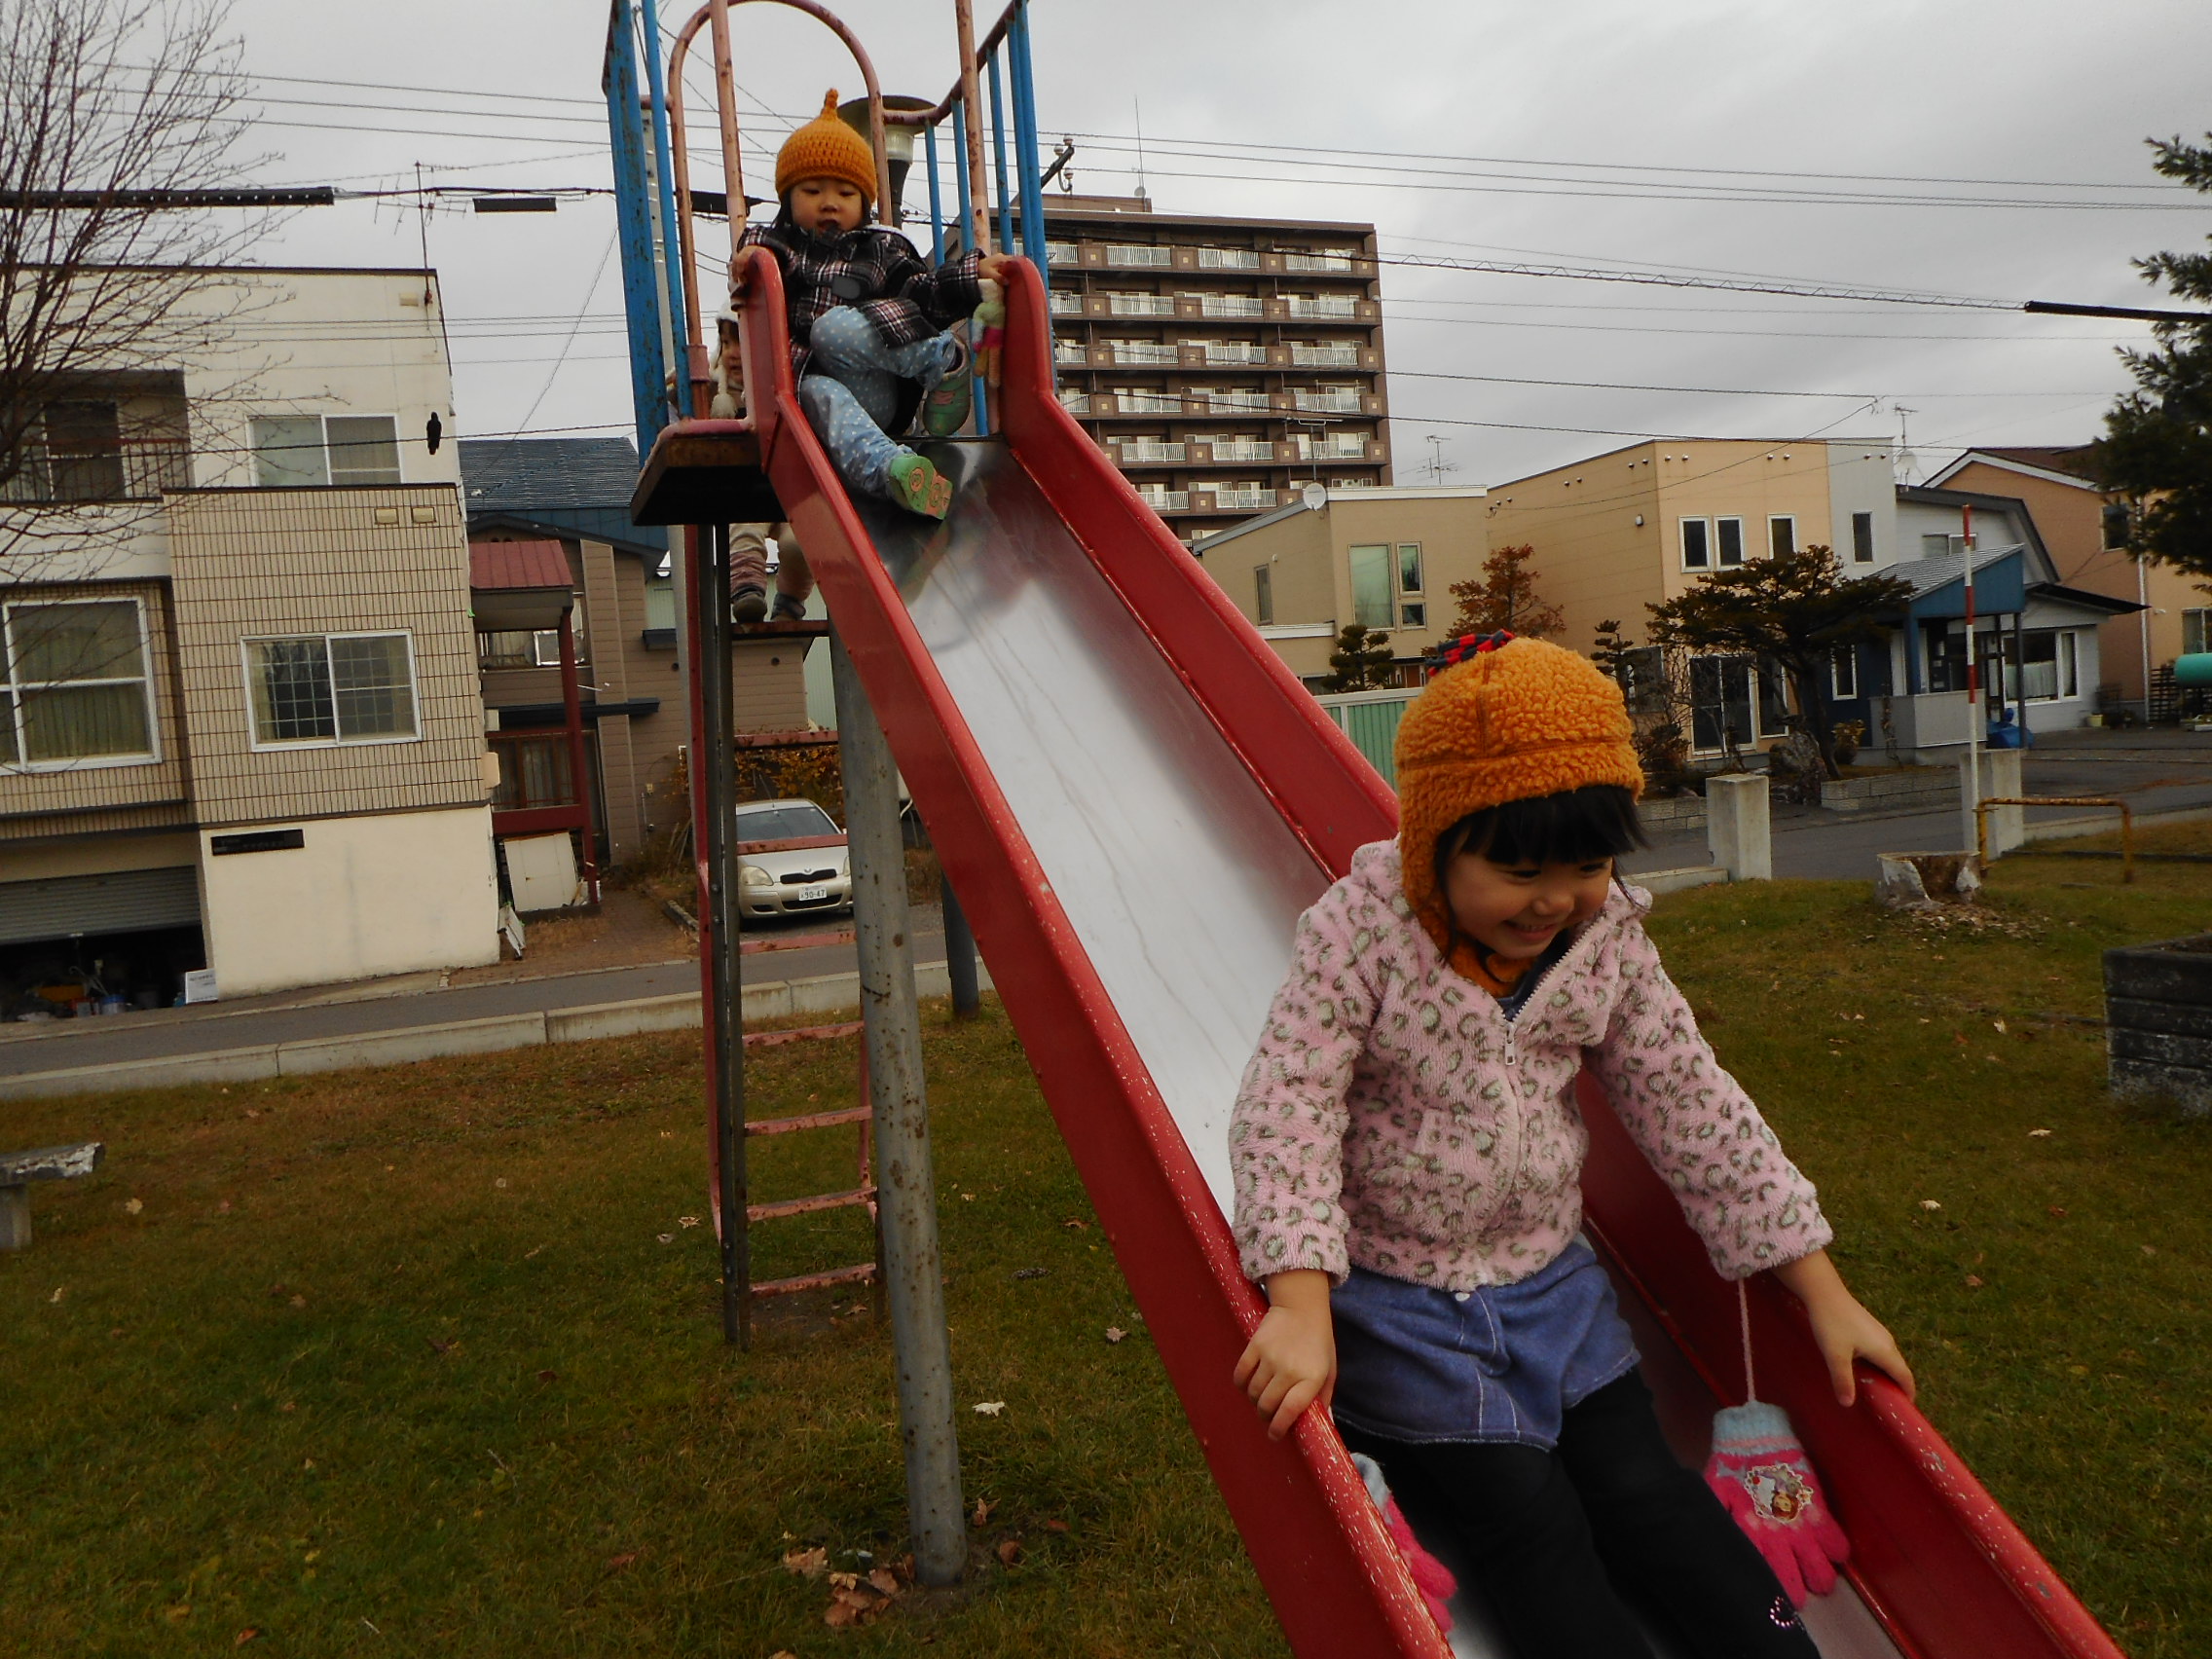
(122, 902)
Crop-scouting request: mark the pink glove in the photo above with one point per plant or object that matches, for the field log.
(1761, 1473)
(1432, 1578)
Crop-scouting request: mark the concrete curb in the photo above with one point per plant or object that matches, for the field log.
(828, 993)
(1658, 881)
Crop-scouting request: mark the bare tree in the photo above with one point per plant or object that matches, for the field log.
(112, 114)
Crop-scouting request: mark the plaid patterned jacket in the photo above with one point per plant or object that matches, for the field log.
(872, 268)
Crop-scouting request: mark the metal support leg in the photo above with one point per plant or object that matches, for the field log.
(913, 1266)
(959, 954)
(714, 799)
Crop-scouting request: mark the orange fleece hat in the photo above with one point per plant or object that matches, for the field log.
(1513, 720)
(827, 148)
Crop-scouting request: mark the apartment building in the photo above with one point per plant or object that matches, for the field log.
(1385, 557)
(1222, 363)
(2085, 529)
(1618, 532)
(241, 737)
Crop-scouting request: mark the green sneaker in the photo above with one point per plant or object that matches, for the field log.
(944, 410)
(919, 487)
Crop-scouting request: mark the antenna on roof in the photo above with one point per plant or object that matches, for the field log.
(1141, 193)
(1908, 463)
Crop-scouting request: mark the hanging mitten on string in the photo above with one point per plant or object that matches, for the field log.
(1432, 1578)
(987, 331)
(1762, 1474)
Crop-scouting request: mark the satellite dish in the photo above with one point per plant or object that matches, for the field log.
(1315, 496)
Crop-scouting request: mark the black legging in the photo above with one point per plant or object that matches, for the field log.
(1555, 1539)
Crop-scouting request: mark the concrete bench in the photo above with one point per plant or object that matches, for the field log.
(19, 1169)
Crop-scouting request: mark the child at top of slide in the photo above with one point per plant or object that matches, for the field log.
(867, 318)
(1407, 1150)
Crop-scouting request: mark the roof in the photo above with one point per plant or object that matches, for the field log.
(2058, 463)
(494, 565)
(1928, 495)
(557, 485)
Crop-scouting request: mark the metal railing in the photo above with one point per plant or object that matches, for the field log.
(2127, 821)
(130, 470)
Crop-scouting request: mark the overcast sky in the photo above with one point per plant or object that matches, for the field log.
(1576, 133)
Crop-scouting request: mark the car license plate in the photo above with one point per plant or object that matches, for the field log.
(812, 895)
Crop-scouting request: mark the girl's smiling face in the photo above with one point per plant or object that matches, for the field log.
(826, 207)
(1516, 910)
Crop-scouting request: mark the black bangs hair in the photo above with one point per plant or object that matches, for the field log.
(1579, 826)
(784, 212)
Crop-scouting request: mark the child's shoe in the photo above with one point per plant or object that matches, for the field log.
(919, 487)
(789, 610)
(748, 604)
(944, 410)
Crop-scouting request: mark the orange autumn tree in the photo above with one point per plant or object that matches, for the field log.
(1504, 596)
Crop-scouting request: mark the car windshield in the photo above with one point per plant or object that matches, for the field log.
(788, 822)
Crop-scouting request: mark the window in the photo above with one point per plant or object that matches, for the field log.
(341, 449)
(1782, 536)
(535, 770)
(75, 687)
(1733, 701)
(331, 688)
(1937, 547)
(1371, 586)
(1843, 673)
(794, 821)
(1413, 615)
(1731, 537)
(2047, 667)
(1409, 566)
(2113, 521)
(532, 648)
(1262, 595)
(1697, 544)
(2195, 632)
(1862, 538)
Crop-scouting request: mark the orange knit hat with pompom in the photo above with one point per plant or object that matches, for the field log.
(827, 148)
(1513, 720)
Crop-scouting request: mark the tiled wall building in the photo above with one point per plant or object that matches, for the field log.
(243, 734)
(1221, 362)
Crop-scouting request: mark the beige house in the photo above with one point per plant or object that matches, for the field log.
(2086, 532)
(1386, 558)
(242, 738)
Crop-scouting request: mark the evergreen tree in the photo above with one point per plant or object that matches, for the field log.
(2157, 442)
(1361, 661)
(1793, 611)
(1504, 596)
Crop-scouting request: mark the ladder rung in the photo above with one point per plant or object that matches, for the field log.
(804, 1033)
(803, 1206)
(812, 1120)
(813, 1281)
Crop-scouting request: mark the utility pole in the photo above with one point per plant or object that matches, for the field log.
(1973, 791)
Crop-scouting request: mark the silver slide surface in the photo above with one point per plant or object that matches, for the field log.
(1180, 876)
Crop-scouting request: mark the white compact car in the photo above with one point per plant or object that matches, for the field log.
(776, 879)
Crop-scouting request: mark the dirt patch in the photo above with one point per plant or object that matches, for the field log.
(628, 930)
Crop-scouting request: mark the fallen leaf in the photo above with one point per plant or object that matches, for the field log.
(1115, 1333)
(688, 1220)
(437, 1346)
(223, 1208)
(250, 1634)
(983, 1515)
(549, 1376)
(968, 1197)
(1079, 1226)
(1009, 1551)
(526, 1254)
(1055, 1526)
(500, 1182)
(132, 1206)
(2146, 1250)
(2039, 1135)
(2000, 1024)
(1029, 1273)
(616, 1564)
(1930, 1205)
(1974, 1281)
(178, 1613)
(807, 1564)
(289, 1406)
(2057, 1209)
(299, 1301)
(783, 1653)
(983, 1408)
(60, 1289)
(2079, 1370)
(885, 1580)
(667, 1237)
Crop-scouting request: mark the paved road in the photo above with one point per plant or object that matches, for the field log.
(193, 1031)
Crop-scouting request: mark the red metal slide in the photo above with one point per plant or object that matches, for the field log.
(1135, 799)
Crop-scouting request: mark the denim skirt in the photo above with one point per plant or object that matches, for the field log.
(1503, 1363)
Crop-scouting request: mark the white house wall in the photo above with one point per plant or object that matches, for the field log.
(1862, 480)
(392, 892)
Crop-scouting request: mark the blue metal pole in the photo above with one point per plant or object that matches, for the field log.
(998, 145)
(1025, 156)
(671, 243)
(648, 372)
(936, 198)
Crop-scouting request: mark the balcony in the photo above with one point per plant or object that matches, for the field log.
(1070, 354)
(116, 469)
(1229, 305)
(1317, 262)
(1143, 353)
(1309, 306)
(1330, 401)
(1229, 259)
(1066, 303)
(1238, 352)
(1334, 356)
(1165, 501)
(1246, 498)
(1335, 448)
(1140, 305)
(1135, 256)
(1231, 402)
(1140, 451)
(1074, 402)
(1240, 449)
(1145, 403)
(1064, 253)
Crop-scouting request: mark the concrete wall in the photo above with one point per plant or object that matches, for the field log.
(1862, 479)
(392, 892)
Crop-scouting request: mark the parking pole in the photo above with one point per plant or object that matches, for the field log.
(913, 1267)
(959, 953)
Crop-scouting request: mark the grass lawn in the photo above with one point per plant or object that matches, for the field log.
(428, 1361)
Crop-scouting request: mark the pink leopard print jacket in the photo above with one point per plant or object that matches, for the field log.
(1394, 1118)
